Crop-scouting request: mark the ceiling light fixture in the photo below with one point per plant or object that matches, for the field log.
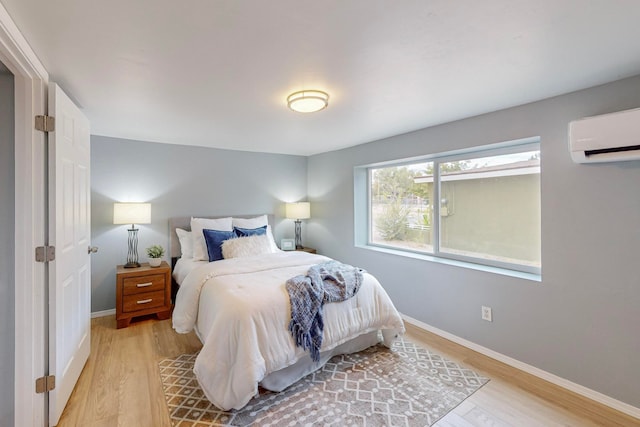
(308, 101)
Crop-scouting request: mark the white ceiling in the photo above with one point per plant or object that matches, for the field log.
(216, 72)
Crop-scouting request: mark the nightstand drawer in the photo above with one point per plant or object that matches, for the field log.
(143, 301)
(150, 283)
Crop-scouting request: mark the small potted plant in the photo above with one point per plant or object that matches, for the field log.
(155, 253)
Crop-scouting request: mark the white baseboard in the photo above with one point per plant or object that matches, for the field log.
(103, 313)
(547, 376)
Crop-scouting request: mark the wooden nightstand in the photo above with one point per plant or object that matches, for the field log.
(310, 250)
(142, 291)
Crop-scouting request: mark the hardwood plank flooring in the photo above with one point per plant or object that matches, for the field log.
(120, 385)
(516, 398)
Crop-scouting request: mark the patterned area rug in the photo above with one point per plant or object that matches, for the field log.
(403, 386)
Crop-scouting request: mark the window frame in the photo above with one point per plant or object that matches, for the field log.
(504, 148)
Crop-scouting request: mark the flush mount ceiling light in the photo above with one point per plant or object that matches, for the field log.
(308, 101)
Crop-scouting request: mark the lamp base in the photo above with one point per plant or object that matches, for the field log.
(298, 234)
(132, 254)
(131, 265)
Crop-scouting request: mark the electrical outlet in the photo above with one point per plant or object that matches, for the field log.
(486, 314)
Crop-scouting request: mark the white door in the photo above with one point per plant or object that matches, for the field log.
(70, 233)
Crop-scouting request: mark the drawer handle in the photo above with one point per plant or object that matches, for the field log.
(144, 285)
(144, 301)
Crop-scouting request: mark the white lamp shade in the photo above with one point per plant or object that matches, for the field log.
(132, 213)
(300, 210)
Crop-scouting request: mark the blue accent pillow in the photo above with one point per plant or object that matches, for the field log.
(214, 239)
(244, 232)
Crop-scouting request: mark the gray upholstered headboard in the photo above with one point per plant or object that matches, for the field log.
(184, 222)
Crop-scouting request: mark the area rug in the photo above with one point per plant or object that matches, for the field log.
(406, 385)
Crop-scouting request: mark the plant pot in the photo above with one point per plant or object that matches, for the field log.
(155, 262)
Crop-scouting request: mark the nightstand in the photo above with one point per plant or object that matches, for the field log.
(142, 291)
(310, 250)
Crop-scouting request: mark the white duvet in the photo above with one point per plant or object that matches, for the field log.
(241, 311)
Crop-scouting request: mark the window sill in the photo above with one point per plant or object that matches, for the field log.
(486, 268)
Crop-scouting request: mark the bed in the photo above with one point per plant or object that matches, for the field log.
(240, 309)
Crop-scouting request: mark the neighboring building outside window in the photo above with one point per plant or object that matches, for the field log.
(482, 206)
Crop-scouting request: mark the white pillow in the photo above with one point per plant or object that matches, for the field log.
(199, 224)
(246, 246)
(257, 222)
(186, 242)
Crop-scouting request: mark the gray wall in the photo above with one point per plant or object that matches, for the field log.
(7, 247)
(180, 181)
(581, 322)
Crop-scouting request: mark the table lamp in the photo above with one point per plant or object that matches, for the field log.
(298, 211)
(132, 213)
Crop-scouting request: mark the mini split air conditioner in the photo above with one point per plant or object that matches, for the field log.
(611, 137)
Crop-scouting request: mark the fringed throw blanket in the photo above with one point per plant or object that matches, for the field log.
(328, 282)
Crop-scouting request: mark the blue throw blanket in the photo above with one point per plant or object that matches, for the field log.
(328, 282)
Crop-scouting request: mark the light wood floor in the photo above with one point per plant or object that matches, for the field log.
(120, 385)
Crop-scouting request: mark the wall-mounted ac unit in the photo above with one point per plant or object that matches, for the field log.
(611, 137)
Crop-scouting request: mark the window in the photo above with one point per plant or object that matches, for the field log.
(481, 206)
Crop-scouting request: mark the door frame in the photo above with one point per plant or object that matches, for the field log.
(31, 80)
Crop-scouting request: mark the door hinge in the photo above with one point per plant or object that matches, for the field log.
(45, 123)
(45, 384)
(45, 253)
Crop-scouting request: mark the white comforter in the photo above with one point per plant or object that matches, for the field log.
(241, 310)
